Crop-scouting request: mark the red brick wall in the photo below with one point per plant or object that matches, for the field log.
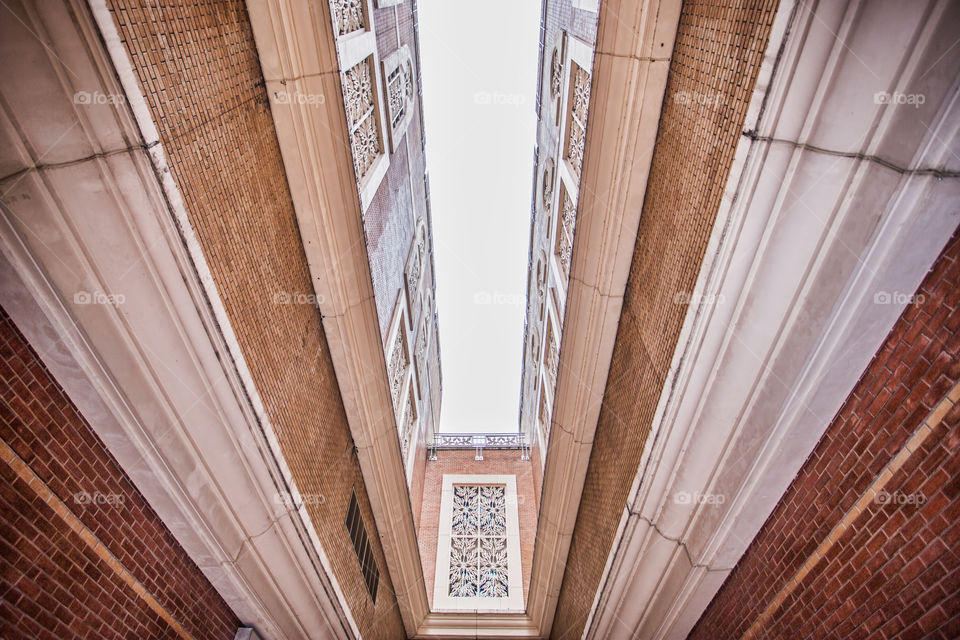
(718, 50)
(893, 568)
(53, 582)
(196, 63)
(495, 461)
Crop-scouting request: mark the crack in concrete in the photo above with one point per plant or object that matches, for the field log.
(940, 174)
(679, 543)
(78, 161)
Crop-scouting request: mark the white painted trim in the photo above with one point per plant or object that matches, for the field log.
(442, 601)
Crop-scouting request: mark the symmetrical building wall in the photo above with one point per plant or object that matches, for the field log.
(568, 33)
(397, 225)
(692, 156)
(866, 537)
(84, 555)
(207, 97)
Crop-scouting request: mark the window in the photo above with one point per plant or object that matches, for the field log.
(409, 422)
(404, 387)
(399, 84)
(398, 363)
(413, 273)
(361, 545)
(362, 100)
(563, 248)
(478, 546)
(579, 102)
(361, 117)
(478, 555)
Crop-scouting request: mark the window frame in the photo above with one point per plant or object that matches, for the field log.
(514, 601)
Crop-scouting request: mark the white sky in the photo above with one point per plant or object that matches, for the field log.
(479, 68)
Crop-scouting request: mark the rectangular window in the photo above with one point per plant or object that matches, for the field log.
(361, 545)
(478, 546)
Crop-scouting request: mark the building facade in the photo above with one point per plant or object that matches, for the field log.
(220, 345)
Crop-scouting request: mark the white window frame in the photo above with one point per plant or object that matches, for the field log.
(413, 297)
(576, 52)
(394, 61)
(413, 392)
(441, 585)
(352, 49)
(398, 331)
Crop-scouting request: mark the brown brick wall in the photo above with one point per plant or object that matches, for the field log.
(495, 461)
(197, 65)
(718, 50)
(894, 568)
(53, 583)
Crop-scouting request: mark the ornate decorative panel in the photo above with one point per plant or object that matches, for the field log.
(547, 187)
(556, 72)
(399, 92)
(360, 106)
(565, 225)
(414, 270)
(348, 15)
(421, 353)
(397, 369)
(578, 108)
(408, 428)
(399, 87)
(478, 546)
(552, 357)
(473, 440)
(541, 284)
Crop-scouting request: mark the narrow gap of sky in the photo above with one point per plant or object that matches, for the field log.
(479, 70)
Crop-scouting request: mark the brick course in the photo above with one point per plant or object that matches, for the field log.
(718, 50)
(53, 582)
(893, 570)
